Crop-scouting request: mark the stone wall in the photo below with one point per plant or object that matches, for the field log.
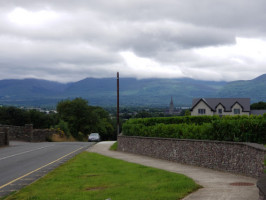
(241, 158)
(26, 133)
(41, 135)
(22, 133)
(4, 138)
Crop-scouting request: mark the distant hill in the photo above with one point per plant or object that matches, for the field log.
(29, 91)
(255, 89)
(133, 92)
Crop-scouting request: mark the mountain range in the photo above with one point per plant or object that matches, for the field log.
(133, 92)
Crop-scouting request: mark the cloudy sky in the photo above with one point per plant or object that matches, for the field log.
(66, 40)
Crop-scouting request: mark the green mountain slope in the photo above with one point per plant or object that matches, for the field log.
(254, 89)
(133, 92)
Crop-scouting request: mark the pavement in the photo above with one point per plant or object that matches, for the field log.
(216, 185)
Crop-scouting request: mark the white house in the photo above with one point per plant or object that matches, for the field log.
(220, 106)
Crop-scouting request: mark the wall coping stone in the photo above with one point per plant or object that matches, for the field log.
(253, 145)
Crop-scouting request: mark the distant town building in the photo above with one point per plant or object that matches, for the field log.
(171, 107)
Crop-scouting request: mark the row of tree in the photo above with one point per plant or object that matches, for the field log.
(258, 106)
(74, 117)
(19, 117)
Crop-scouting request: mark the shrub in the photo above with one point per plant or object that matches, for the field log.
(228, 128)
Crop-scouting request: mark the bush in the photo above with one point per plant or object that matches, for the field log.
(64, 127)
(173, 120)
(228, 128)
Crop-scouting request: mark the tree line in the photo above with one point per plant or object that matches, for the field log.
(75, 117)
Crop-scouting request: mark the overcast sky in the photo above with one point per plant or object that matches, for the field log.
(68, 40)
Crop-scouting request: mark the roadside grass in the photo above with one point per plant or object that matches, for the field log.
(96, 177)
(114, 147)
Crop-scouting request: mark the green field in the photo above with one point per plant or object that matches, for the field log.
(96, 177)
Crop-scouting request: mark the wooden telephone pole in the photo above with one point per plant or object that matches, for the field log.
(117, 106)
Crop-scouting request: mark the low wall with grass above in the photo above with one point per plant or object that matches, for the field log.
(241, 158)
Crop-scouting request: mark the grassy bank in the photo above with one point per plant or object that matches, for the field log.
(114, 147)
(95, 177)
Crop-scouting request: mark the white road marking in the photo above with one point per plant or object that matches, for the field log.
(39, 168)
(25, 152)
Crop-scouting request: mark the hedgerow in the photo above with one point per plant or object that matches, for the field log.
(173, 120)
(237, 129)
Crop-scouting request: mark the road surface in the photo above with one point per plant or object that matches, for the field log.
(22, 163)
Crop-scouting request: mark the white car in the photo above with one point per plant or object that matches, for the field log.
(94, 137)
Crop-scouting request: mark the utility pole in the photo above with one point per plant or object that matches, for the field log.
(117, 106)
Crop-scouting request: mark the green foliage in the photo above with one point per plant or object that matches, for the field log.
(42, 120)
(76, 113)
(173, 120)
(75, 117)
(19, 117)
(258, 106)
(64, 127)
(114, 147)
(143, 114)
(83, 119)
(187, 113)
(13, 116)
(237, 129)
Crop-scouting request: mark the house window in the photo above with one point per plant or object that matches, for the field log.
(236, 111)
(201, 111)
(220, 111)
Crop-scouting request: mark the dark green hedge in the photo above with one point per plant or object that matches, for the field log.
(237, 129)
(173, 120)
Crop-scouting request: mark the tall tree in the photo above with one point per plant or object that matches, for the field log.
(82, 118)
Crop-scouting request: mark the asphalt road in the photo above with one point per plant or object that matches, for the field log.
(22, 163)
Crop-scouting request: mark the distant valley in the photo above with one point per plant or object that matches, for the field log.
(133, 92)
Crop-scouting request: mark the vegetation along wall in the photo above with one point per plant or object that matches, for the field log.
(241, 158)
(227, 128)
(225, 143)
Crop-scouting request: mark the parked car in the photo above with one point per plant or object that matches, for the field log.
(94, 137)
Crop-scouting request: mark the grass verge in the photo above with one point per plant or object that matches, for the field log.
(114, 147)
(96, 177)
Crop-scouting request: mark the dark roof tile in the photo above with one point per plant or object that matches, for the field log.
(227, 103)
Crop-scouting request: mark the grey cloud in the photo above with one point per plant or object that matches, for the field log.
(89, 35)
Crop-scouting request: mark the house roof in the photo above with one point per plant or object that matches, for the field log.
(227, 103)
